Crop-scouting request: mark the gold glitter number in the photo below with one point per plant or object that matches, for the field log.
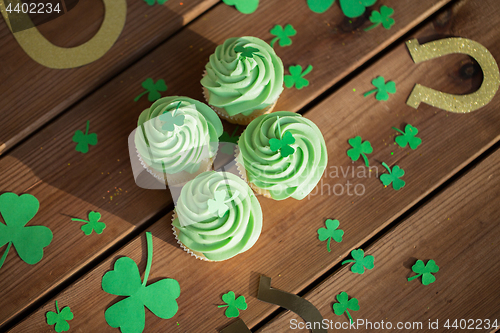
(448, 102)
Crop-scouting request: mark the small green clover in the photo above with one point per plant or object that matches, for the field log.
(283, 35)
(246, 52)
(382, 89)
(345, 304)
(228, 141)
(360, 261)
(297, 77)
(383, 17)
(425, 271)
(408, 137)
(152, 88)
(359, 148)
(60, 318)
(233, 304)
(171, 120)
(319, 6)
(243, 6)
(355, 8)
(282, 144)
(84, 140)
(393, 177)
(152, 2)
(92, 224)
(218, 204)
(331, 232)
(29, 242)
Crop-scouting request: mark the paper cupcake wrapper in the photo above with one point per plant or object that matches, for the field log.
(197, 255)
(243, 174)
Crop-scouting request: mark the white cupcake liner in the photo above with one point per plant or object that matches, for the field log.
(197, 255)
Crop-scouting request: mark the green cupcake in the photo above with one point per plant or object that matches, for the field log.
(282, 155)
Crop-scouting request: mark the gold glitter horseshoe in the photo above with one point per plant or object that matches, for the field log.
(49, 55)
(448, 102)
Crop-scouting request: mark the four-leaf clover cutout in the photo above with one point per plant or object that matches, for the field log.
(60, 318)
(246, 52)
(408, 137)
(383, 17)
(153, 89)
(124, 280)
(233, 304)
(425, 271)
(393, 177)
(84, 140)
(217, 205)
(331, 232)
(29, 242)
(359, 148)
(243, 6)
(152, 2)
(382, 89)
(92, 224)
(360, 261)
(283, 35)
(345, 304)
(297, 77)
(171, 119)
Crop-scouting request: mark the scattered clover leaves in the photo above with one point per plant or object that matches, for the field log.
(233, 304)
(382, 89)
(355, 8)
(283, 35)
(283, 144)
(152, 88)
(124, 280)
(84, 140)
(360, 261)
(359, 148)
(383, 17)
(152, 2)
(60, 318)
(218, 204)
(393, 177)
(297, 77)
(425, 271)
(319, 6)
(229, 141)
(345, 304)
(243, 6)
(171, 119)
(246, 52)
(92, 224)
(408, 137)
(331, 232)
(29, 242)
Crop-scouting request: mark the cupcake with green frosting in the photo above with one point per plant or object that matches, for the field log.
(282, 155)
(243, 79)
(177, 138)
(217, 216)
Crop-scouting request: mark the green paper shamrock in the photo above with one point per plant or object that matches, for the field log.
(218, 204)
(355, 8)
(330, 233)
(297, 77)
(382, 18)
(345, 304)
(171, 119)
(425, 271)
(29, 242)
(246, 52)
(233, 304)
(152, 2)
(319, 6)
(283, 145)
(84, 140)
(393, 177)
(382, 89)
(153, 89)
(359, 148)
(60, 318)
(226, 139)
(124, 280)
(243, 6)
(92, 224)
(283, 35)
(408, 137)
(360, 261)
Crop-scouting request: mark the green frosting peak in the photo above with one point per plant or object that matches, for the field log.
(244, 74)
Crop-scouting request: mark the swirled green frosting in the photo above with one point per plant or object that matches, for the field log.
(191, 136)
(202, 230)
(293, 176)
(241, 82)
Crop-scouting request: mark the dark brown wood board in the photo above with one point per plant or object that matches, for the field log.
(458, 229)
(288, 250)
(48, 167)
(33, 94)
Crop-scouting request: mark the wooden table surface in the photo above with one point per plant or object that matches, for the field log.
(448, 211)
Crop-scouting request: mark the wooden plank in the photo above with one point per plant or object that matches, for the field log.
(458, 229)
(49, 167)
(33, 94)
(288, 250)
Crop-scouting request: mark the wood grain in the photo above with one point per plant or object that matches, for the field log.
(459, 230)
(32, 94)
(49, 167)
(288, 250)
